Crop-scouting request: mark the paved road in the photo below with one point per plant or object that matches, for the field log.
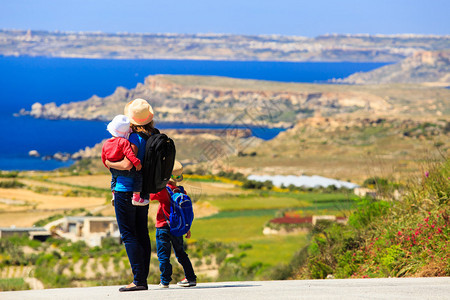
(385, 288)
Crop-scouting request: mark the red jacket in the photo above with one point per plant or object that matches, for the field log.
(116, 149)
(164, 204)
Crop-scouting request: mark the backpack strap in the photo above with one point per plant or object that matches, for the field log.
(171, 193)
(167, 220)
(143, 135)
(169, 190)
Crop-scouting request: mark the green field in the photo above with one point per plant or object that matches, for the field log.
(241, 219)
(277, 200)
(247, 230)
(237, 229)
(274, 250)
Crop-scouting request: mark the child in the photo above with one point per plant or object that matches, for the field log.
(164, 240)
(118, 147)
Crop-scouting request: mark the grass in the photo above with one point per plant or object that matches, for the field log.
(238, 229)
(247, 230)
(273, 250)
(241, 220)
(242, 213)
(13, 284)
(277, 200)
(251, 202)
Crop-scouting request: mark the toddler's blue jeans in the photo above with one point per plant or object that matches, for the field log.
(164, 243)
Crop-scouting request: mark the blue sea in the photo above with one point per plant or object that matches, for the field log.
(26, 80)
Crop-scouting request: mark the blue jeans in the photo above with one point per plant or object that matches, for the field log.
(164, 241)
(132, 221)
(136, 175)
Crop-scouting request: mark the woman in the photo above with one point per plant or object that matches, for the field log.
(132, 220)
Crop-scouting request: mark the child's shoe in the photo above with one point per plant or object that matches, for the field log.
(187, 283)
(144, 202)
(163, 286)
(138, 201)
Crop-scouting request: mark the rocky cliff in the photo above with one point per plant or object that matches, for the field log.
(198, 99)
(421, 67)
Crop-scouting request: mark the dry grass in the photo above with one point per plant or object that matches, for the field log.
(98, 181)
(51, 202)
(23, 207)
(39, 206)
(23, 218)
(433, 269)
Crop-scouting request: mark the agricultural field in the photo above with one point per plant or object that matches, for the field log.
(227, 234)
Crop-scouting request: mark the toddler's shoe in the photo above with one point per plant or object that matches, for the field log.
(163, 286)
(144, 201)
(138, 201)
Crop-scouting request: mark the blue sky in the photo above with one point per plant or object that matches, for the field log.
(286, 17)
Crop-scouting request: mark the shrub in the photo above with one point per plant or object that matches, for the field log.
(220, 257)
(252, 184)
(14, 184)
(10, 174)
(279, 272)
(13, 284)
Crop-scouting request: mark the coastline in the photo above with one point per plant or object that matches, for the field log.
(66, 152)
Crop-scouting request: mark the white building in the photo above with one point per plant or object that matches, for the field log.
(91, 230)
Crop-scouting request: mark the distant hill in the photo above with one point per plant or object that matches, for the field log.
(349, 147)
(331, 47)
(426, 66)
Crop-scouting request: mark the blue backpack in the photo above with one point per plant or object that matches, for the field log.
(181, 212)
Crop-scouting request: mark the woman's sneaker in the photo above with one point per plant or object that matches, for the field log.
(187, 283)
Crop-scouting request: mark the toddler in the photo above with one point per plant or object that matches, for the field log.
(118, 147)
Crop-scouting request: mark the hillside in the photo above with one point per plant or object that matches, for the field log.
(349, 148)
(335, 47)
(421, 67)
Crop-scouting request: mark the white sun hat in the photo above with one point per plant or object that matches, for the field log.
(119, 126)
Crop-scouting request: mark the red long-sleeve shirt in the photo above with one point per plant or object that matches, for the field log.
(116, 149)
(164, 204)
